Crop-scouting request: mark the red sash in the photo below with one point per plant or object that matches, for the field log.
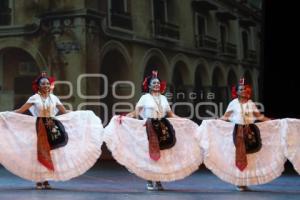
(154, 149)
(240, 153)
(43, 147)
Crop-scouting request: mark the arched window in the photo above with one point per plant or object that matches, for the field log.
(119, 6)
(245, 42)
(223, 37)
(5, 13)
(160, 10)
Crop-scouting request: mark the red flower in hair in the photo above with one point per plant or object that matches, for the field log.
(163, 87)
(35, 83)
(146, 82)
(154, 74)
(248, 90)
(233, 92)
(145, 85)
(35, 87)
(51, 81)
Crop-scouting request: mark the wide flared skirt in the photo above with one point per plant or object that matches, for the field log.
(219, 149)
(127, 139)
(18, 144)
(291, 138)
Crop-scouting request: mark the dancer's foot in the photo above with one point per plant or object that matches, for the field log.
(159, 186)
(150, 185)
(39, 186)
(46, 185)
(242, 188)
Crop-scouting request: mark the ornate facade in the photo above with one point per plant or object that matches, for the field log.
(100, 50)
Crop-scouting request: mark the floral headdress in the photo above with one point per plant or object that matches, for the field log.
(35, 83)
(147, 80)
(241, 83)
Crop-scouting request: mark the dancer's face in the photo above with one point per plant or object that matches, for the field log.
(244, 91)
(44, 86)
(155, 85)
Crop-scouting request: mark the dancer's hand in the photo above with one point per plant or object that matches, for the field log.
(131, 114)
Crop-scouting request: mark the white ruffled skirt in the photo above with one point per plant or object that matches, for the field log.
(127, 140)
(18, 146)
(291, 138)
(219, 149)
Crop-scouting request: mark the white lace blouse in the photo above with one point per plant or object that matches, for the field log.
(242, 113)
(44, 107)
(153, 106)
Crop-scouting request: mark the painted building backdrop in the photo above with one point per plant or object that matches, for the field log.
(100, 51)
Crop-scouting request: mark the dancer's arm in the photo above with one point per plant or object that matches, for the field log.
(226, 116)
(135, 113)
(260, 116)
(23, 108)
(131, 114)
(171, 114)
(62, 109)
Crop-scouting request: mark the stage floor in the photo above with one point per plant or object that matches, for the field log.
(108, 180)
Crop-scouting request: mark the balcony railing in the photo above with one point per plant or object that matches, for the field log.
(166, 30)
(121, 19)
(204, 5)
(206, 41)
(228, 49)
(250, 56)
(5, 17)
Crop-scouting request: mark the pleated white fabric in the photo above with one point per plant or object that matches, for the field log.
(219, 150)
(127, 140)
(18, 144)
(291, 138)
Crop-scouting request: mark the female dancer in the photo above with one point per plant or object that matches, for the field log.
(45, 147)
(154, 148)
(253, 153)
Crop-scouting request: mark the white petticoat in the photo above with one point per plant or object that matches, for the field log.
(219, 150)
(18, 144)
(129, 146)
(291, 137)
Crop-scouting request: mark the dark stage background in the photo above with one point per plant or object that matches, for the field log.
(281, 73)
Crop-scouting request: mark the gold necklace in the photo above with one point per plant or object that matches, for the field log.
(245, 113)
(46, 109)
(157, 101)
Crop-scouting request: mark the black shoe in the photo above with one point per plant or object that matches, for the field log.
(159, 186)
(150, 186)
(242, 188)
(46, 185)
(39, 186)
